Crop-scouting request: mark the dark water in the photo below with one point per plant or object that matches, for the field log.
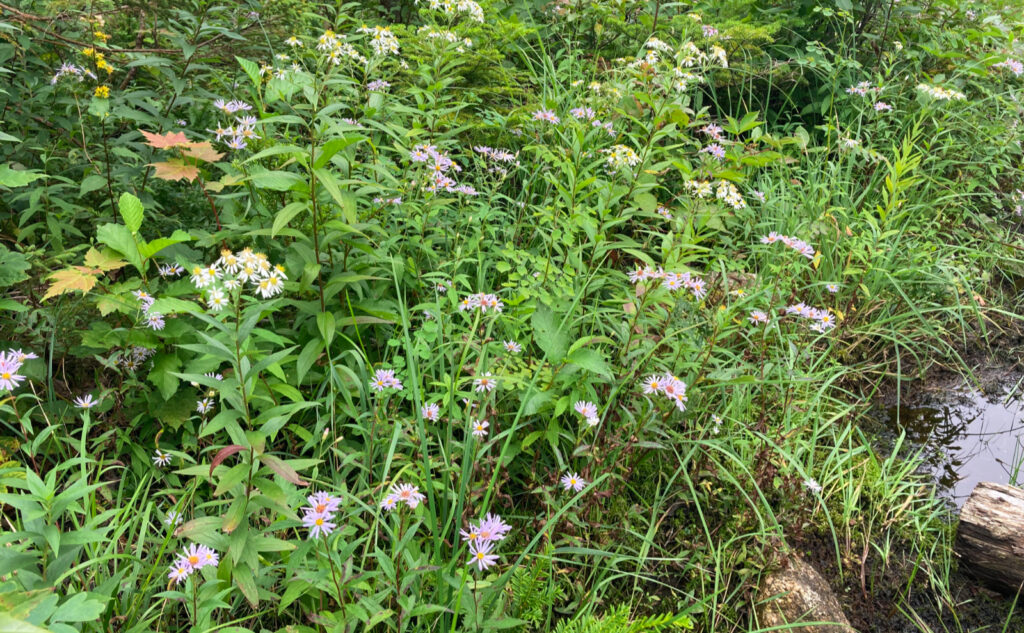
(967, 437)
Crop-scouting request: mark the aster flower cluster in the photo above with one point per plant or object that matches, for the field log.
(170, 270)
(797, 245)
(378, 85)
(620, 156)
(318, 515)
(496, 154)
(10, 363)
(586, 113)
(943, 94)
(239, 134)
(385, 379)
(822, 320)
(192, 559)
(864, 89)
(454, 8)
(337, 49)
(481, 301)
(382, 40)
(589, 412)
(440, 165)
(71, 70)
(668, 386)
(133, 358)
(670, 280)
(714, 149)
(231, 270)
(408, 494)
(547, 115)
(1014, 66)
(758, 317)
(713, 131)
(154, 320)
(482, 537)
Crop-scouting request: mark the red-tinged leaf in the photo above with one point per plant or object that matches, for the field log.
(71, 279)
(287, 472)
(223, 454)
(175, 169)
(163, 141)
(103, 260)
(203, 151)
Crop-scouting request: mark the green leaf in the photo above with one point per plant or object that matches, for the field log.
(250, 69)
(79, 608)
(326, 324)
(12, 267)
(10, 624)
(12, 178)
(551, 340)
(150, 249)
(131, 211)
(591, 360)
(119, 238)
(91, 183)
(285, 215)
(275, 180)
(162, 374)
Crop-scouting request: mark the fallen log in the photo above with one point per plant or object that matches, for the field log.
(990, 538)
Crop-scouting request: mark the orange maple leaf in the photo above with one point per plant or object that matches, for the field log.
(163, 141)
(203, 151)
(175, 169)
(69, 280)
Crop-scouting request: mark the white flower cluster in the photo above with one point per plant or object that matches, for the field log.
(941, 94)
(431, 33)
(337, 49)
(232, 270)
(382, 40)
(454, 8)
(620, 156)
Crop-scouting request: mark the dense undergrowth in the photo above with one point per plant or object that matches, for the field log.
(456, 316)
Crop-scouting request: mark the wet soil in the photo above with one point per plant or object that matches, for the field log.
(968, 427)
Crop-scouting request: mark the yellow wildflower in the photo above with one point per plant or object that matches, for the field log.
(103, 92)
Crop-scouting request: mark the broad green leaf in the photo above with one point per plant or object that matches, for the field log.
(119, 238)
(131, 211)
(546, 333)
(275, 180)
(19, 178)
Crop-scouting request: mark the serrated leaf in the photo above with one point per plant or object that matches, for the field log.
(162, 374)
(591, 360)
(547, 334)
(103, 260)
(119, 238)
(131, 211)
(73, 279)
(175, 169)
(164, 141)
(203, 151)
(12, 267)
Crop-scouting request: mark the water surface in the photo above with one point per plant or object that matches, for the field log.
(967, 436)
